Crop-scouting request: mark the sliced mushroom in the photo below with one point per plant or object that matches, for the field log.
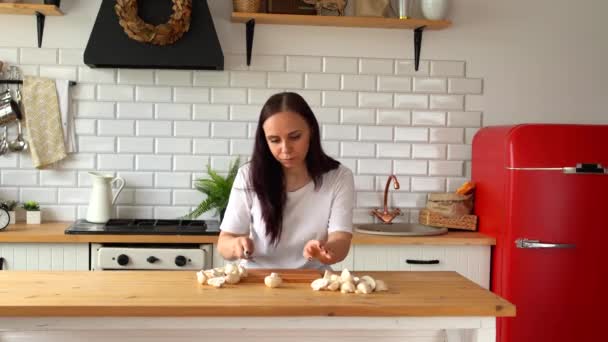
(230, 269)
(346, 276)
(327, 275)
(364, 287)
(319, 284)
(335, 277)
(242, 271)
(232, 278)
(216, 282)
(201, 277)
(380, 286)
(334, 286)
(347, 287)
(371, 281)
(273, 280)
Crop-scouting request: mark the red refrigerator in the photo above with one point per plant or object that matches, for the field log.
(542, 192)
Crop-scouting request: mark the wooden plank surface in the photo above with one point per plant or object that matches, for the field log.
(142, 293)
(29, 9)
(339, 21)
(53, 232)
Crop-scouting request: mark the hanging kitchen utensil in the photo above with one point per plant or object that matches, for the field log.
(9, 109)
(19, 144)
(4, 142)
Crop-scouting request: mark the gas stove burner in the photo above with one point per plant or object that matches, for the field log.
(146, 226)
(139, 223)
(148, 223)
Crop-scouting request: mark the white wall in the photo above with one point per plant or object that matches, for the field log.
(541, 60)
(512, 61)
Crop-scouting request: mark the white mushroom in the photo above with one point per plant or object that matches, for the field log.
(334, 286)
(347, 287)
(346, 276)
(273, 280)
(371, 281)
(327, 275)
(242, 271)
(213, 273)
(219, 270)
(201, 277)
(364, 287)
(335, 277)
(381, 285)
(232, 278)
(216, 282)
(230, 269)
(356, 280)
(319, 284)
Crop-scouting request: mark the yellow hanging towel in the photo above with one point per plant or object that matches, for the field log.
(43, 121)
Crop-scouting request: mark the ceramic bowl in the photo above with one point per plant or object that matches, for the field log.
(434, 9)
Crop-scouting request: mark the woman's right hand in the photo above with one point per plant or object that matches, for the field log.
(243, 247)
(233, 247)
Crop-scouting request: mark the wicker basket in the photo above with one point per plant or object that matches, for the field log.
(249, 6)
(450, 204)
(429, 218)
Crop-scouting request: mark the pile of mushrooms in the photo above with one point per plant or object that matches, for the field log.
(347, 283)
(217, 277)
(232, 274)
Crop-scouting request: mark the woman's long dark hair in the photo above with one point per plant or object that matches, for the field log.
(266, 176)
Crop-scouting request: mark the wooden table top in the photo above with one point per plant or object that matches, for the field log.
(53, 232)
(177, 293)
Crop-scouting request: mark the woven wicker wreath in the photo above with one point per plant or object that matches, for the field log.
(163, 34)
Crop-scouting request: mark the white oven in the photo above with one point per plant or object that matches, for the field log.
(142, 256)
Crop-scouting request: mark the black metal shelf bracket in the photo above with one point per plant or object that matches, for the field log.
(417, 44)
(250, 30)
(40, 26)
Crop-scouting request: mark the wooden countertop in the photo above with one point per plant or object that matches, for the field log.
(143, 293)
(53, 232)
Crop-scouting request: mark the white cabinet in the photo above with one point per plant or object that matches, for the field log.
(45, 256)
(472, 262)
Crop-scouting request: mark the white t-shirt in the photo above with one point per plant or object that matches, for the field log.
(308, 215)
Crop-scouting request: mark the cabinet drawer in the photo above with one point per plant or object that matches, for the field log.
(44, 256)
(472, 262)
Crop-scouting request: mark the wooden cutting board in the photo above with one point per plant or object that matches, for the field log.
(288, 275)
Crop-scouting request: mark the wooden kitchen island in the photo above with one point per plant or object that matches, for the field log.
(172, 306)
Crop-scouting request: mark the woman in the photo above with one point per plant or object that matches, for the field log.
(292, 205)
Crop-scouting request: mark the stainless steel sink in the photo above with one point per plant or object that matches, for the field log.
(399, 229)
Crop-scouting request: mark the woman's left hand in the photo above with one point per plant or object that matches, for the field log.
(316, 249)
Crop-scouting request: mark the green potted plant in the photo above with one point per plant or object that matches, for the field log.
(32, 211)
(217, 190)
(10, 206)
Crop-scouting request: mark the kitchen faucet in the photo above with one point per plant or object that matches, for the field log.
(385, 216)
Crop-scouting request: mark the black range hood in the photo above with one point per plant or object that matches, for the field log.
(110, 47)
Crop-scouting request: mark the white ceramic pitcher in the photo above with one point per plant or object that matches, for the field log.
(101, 202)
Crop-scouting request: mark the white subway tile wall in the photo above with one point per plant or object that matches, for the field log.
(158, 129)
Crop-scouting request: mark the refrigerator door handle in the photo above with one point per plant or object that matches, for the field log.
(584, 168)
(526, 243)
(579, 169)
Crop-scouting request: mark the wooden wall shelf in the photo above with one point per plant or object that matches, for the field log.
(40, 10)
(418, 25)
(346, 21)
(29, 9)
